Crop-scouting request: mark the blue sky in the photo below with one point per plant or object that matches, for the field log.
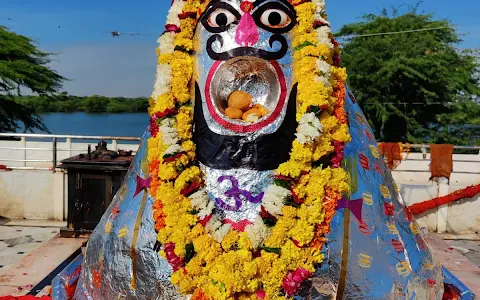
(96, 63)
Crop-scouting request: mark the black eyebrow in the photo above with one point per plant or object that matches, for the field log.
(284, 2)
(258, 2)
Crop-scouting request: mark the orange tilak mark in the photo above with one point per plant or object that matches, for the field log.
(246, 6)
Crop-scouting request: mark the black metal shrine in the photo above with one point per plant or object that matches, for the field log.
(93, 180)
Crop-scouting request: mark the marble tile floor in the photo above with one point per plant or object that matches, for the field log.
(29, 251)
(18, 241)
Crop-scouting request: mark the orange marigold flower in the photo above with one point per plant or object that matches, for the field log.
(199, 295)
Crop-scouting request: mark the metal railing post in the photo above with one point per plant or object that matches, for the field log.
(68, 144)
(23, 142)
(54, 161)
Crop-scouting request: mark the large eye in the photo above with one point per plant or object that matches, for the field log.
(221, 18)
(275, 18)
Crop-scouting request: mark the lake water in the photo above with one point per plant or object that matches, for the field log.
(128, 124)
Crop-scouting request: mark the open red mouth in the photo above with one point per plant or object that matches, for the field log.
(264, 80)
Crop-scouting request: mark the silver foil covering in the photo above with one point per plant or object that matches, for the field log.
(253, 182)
(361, 260)
(252, 74)
(375, 256)
(112, 260)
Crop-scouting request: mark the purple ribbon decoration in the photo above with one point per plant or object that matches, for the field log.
(142, 184)
(355, 206)
(236, 193)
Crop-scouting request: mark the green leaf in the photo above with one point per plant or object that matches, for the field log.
(303, 45)
(283, 183)
(190, 252)
(269, 222)
(314, 109)
(271, 250)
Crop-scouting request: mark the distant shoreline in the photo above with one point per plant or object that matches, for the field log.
(64, 103)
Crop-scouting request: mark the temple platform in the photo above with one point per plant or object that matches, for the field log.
(32, 253)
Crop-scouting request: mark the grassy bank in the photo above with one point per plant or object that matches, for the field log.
(89, 104)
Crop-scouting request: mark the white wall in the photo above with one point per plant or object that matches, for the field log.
(38, 194)
(35, 194)
(412, 176)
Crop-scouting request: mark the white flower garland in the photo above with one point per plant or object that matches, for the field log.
(273, 199)
(174, 149)
(257, 232)
(323, 35)
(169, 132)
(162, 81)
(175, 10)
(309, 128)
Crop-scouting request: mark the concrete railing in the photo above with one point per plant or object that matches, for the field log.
(44, 151)
(34, 189)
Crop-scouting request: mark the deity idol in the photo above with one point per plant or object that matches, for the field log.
(259, 177)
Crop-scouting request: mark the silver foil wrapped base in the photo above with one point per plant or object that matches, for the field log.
(375, 255)
(120, 260)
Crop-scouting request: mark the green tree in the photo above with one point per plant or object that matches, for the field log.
(417, 86)
(23, 65)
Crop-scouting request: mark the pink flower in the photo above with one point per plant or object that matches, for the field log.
(294, 280)
(260, 294)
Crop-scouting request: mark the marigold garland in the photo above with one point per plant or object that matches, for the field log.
(275, 255)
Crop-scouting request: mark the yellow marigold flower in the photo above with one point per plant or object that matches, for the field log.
(342, 134)
(229, 240)
(183, 281)
(305, 38)
(322, 147)
(299, 187)
(192, 6)
(163, 102)
(313, 214)
(189, 147)
(182, 70)
(316, 185)
(196, 231)
(340, 74)
(151, 103)
(329, 122)
(194, 266)
(292, 169)
(167, 171)
(184, 122)
(244, 241)
(184, 37)
(305, 16)
(279, 233)
(289, 212)
(301, 153)
(303, 232)
(183, 160)
(305, 69)
(291, 255)
(191, 174)
(338, 181)
(311, 52)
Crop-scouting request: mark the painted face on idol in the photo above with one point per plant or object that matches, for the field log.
(245, 101)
